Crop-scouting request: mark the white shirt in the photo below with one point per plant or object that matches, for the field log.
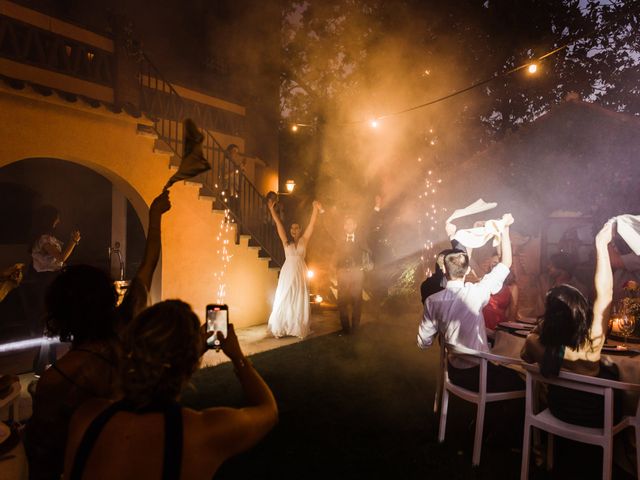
(42, 261)
(456, 313)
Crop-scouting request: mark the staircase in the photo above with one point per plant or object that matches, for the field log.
(226, 185)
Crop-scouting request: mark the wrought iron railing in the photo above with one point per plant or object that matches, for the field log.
(29, 44)
(225, 181)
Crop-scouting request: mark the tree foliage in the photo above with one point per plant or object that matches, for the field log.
(336, 50)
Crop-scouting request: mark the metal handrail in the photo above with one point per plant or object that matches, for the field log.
(225, 181)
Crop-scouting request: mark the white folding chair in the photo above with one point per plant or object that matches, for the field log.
(545, 420)
(480, 398)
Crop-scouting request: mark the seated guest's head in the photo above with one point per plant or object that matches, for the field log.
(561, 265)
(566, 322)
(81, 305)
(456, 265)
(162, 349)
(439, 266)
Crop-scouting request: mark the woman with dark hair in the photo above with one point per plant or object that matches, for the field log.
(147, 434)
(81, 306)
(48, 256)
(290, 314)
(571, 335)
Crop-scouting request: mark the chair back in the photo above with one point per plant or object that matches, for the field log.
(583, 383)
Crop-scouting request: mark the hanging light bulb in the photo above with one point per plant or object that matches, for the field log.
(532, 68)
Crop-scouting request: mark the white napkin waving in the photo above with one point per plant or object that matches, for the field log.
(628, 226)
(478, 236)
(476, 207)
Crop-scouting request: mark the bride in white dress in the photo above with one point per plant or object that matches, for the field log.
(290, 314)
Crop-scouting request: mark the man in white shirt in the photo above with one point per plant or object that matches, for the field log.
(456, 314)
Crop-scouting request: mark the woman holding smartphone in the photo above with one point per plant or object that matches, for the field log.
(290, 314)
(147, 434)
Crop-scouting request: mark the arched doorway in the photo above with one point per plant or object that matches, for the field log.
(105, 209)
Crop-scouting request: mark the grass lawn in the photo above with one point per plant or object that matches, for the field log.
(360, 407)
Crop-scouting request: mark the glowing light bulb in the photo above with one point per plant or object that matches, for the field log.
(310, 274)
(294, 128)
(532, 68)
(374, 123)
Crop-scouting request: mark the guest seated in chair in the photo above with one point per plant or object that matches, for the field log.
(81, 309)
(147, 434)
(456, 313)
(502, 306)
(571, 335)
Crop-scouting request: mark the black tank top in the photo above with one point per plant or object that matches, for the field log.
(173, 436)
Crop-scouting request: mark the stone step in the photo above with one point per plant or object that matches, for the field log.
(162, 148)
(146, 131)
(206, 193)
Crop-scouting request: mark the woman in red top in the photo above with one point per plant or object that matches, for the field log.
(503, 306)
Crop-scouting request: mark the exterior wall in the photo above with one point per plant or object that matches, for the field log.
(35, 126)
(190, 248)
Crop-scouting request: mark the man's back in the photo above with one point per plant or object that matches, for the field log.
(456, 313)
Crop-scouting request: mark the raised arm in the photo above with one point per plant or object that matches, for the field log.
(236, 430)
(314, 216)
(135, 299)
(505, 243)
(159, 206)
(62, 255)
(279, 227)
(603, 282)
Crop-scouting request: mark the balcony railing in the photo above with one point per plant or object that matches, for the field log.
(31, 45)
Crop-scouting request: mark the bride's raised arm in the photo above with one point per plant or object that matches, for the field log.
(314, 216)
(282, 233)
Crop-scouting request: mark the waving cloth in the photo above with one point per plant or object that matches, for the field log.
(477, 236)
(193, 160)
(476, 207)
(628, 226)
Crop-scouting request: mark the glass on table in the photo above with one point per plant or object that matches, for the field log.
(627, 324)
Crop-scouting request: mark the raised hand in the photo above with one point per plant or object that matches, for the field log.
(270, 203)
(317, 206)
(75, 236)
(508, 219)
(230, 345)
(605, 235)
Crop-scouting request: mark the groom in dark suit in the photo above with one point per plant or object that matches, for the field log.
(351, 260)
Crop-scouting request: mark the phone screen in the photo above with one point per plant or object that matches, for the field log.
(217, 321)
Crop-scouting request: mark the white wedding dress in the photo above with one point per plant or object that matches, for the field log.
(290, 314)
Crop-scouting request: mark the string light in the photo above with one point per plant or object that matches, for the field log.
(294, 128)
(532, 68)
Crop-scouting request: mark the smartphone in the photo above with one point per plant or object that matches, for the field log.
(217, 321)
